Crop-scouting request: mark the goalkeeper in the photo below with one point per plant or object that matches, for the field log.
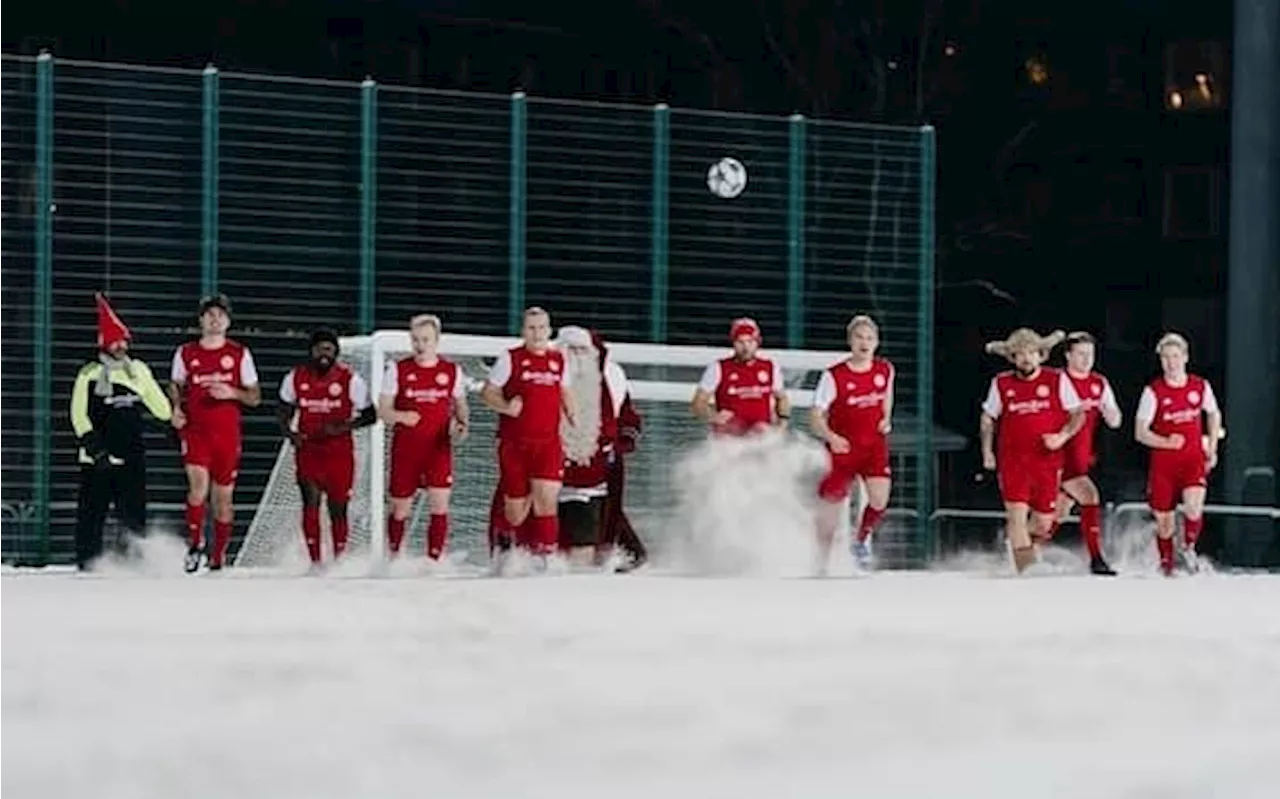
(109, 424)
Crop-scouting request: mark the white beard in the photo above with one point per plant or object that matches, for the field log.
(582, 440)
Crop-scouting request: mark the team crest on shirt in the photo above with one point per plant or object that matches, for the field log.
(763, 376)
(1009, 393)
(413, 378)
(554, 366)
(334, 389)
(304, 387)
(1166, 401)
(733, 377)
(1193, 397)
(1042, 391)
(227, 362)
(524, 364)
(441, 378)
(1096, 389)
(195, 362)
(878, 380)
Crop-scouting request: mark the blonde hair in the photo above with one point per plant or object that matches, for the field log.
(1172, 339)
(426, 320)
(861, 320)
(536, 310)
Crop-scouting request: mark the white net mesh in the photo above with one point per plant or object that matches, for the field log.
(662, 380)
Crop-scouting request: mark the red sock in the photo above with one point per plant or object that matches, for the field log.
(1091, 529)
(437, 532)
(870, 520)
(1165, 546)
(195, 524)
(338, 527)
(395, 534)
(221, 538)
(526, 533)
(311, 531)
(1191, 529)
(544, 533)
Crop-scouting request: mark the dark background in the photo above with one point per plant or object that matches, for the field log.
(1084, 201)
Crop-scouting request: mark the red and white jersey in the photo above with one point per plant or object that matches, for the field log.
(1095, 395)
(336, 395)
(198, 368)
(1172, 409)
(430, 389)
(1027, 409)
(747, 389)
(537, 378)
(855, 401)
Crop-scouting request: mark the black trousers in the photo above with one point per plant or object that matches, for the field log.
(101, 487)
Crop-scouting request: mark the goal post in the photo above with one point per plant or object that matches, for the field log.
(661, 377)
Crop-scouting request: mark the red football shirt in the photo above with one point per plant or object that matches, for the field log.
(431, 390)
(1027, 409)
(1095, 394)
(198, 368)
(744, 388)
(537, 378)
(854, 401)
(336, 395)
(1177, 409)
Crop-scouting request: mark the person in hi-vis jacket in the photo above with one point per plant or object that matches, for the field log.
(109, 424)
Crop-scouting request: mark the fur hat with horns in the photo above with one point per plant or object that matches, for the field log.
(1024, 338)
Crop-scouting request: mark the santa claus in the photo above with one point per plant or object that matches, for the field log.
(594, 529)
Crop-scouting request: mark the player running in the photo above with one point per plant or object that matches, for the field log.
(211, 379)
(745, 389)
(1168, 421)
(321, 402)
(1098, 401)
(424, 399)
(852, 413)
(1037, 411)
(528, 386)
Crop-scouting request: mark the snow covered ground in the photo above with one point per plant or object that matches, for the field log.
(956, 685)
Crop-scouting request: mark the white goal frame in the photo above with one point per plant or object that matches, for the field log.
(383, 343)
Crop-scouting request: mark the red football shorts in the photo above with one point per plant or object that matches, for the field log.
(1031, 481)
(420, 463)
(219, 454)
(332, 468)
(1168, 478)
(864, 459)
(524, 460)
(1077, 461)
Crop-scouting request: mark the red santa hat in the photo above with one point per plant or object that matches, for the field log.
(111, 330)
(744, 326)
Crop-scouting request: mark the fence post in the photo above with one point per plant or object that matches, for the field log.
(658, 265)
(515, 254)
(43, 316)
(795, 233)
(368, 202)
(924, 341)
(209, 183)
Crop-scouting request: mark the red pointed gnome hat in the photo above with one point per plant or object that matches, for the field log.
(110, 329)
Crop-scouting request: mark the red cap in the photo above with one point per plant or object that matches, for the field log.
(111, 330)
(744, 326)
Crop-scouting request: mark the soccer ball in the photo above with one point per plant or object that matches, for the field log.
(727, 178)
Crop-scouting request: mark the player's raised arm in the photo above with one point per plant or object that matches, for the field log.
(991, 410)
(492, 395)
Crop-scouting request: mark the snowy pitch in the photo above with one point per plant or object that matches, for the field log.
(953, 685)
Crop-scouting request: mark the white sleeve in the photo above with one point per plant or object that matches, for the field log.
(992, 406)
(825, 393)
(500, 372)
(778, 386)
(1067, 393)
(390, 381)
(1146, 406)
(288, 391)
(248, 370)
(1109, 404)
(1210, 403)
(358, 390)
(178, 371)
(710, 378)
(459, 384)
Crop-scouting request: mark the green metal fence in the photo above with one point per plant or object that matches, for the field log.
(357, 205)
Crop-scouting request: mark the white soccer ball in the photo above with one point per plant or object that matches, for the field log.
(727, 178)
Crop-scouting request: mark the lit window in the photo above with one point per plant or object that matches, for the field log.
(1195, 76)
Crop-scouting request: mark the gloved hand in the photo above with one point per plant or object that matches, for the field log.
(94, 447)
(627, 439)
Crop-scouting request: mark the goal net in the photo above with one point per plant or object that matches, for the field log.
(662, 380)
